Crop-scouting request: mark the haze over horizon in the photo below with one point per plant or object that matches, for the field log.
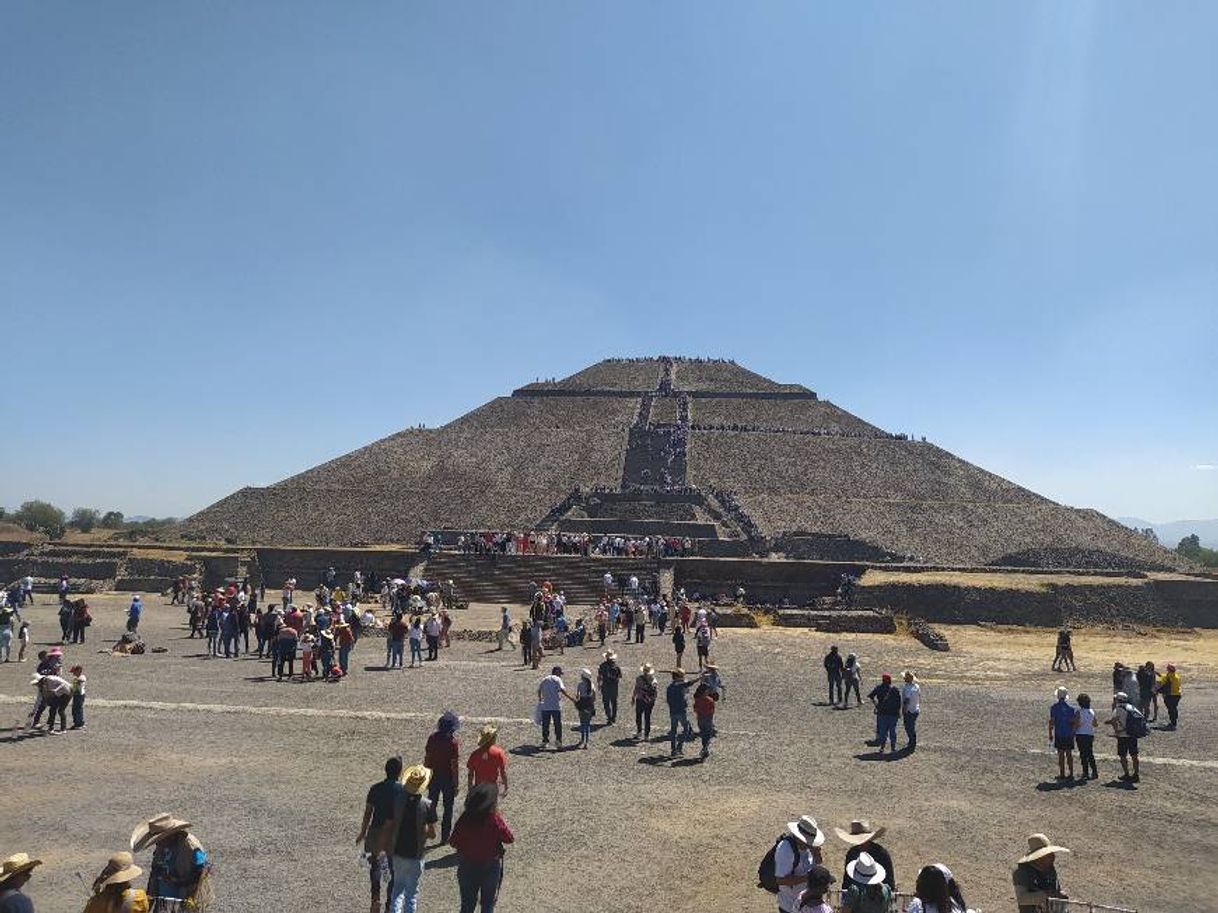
(243, 239)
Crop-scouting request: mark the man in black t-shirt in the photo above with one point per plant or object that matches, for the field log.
(414, 820)
(378, 810)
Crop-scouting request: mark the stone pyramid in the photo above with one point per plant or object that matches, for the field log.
(679, 446)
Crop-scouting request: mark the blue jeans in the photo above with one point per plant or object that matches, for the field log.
(416, 652)
(395, 653)
(887, 727)
(548, 716)
(78, 710)
(407, 873)
(479, 878)
(442, 785)
(911, 729)
(344, 656)
(678, 719)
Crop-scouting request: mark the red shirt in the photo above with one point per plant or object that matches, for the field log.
(486, 764)
(483, 841)
(442, 755)
(704, 705)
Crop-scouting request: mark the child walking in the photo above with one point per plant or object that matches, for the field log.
(78, 697)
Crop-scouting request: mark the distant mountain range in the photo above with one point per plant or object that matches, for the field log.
(1171, 533)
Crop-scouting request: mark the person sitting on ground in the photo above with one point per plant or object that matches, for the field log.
(1035, 876)
(112, 890)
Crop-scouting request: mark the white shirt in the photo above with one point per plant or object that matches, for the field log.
(608, 579)
(1086, 721)
(786, 864)
(911, 697)
(551, 692)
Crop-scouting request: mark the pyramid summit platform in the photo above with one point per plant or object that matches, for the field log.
(698, 448)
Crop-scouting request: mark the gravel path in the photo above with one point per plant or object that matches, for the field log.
(273, 774)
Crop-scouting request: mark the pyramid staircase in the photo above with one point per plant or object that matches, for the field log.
(512, 579)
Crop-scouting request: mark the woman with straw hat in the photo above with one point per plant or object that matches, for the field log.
(14, 873)
(1035, 876)
(112, 890)
(488, 763)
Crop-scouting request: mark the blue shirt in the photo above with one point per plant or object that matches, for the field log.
(676, 695)
(1062, 715)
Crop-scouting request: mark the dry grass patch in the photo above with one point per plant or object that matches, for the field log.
(992, 580)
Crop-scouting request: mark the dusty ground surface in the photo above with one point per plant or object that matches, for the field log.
(274, 774)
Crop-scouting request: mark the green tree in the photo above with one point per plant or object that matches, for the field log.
(112, 519)
(84, 519)
(1190, 546)
(41, 517)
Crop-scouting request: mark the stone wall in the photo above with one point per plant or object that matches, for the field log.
(798, 582)
(1168, 603)
(308, 565)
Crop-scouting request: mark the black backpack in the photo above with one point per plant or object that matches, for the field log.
(1135, 723)
(767, 878)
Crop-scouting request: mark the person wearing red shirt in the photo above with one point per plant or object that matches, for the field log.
(478, 839)
(443, 757)
(488, 763)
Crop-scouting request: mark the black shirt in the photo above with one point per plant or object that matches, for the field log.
(417, 813)
(887, 699)
(383, 797)
(610, 673)
(833, 664)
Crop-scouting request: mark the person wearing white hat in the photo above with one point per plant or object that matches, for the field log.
(795, 853)
(867, 891)
(1035, 876)
(609, 677)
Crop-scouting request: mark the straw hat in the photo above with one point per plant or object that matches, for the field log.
(806, 830)
(17, 864)
(610, 655)
(1038, 846)
(586, 673)
(678, 673)
(416, 778)
(155, 829)
(860, 832)
(487, 735)
(1061, 693)
(647, 669)
(119, 870)
(865, 870)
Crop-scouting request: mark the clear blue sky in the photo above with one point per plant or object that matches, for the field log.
(239, 238)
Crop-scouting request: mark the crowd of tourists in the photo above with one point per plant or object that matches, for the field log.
(560, 543)
(179, 874)
(794, 869)
(1134, 706)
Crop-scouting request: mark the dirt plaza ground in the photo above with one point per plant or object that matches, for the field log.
(273, 774)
